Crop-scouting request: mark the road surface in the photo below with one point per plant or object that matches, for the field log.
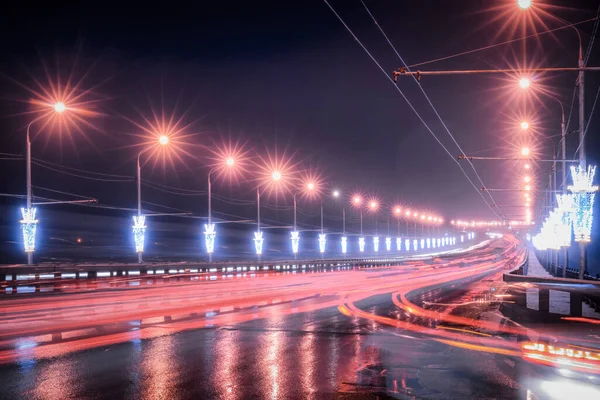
(424, 329)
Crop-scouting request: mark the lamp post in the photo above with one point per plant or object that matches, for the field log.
(295, 235)
(373, 206)
(29, 221)
(210, 231)
(344, 242)
(357, 202)
(139, 221)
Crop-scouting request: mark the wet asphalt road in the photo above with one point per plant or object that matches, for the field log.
(318, 354)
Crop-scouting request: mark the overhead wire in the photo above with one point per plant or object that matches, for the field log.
(433, 108)
(407, 101)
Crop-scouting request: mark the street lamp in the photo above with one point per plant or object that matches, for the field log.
(336, 195)
(373, 206)
(524, 4)
(525, 151)
(139, 221)
(210, 231)
(524, 125)
(357, 202)
(524, 83)
(398, 213)
(29, 221)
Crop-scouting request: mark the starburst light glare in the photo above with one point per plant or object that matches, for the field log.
(29, 228)
(527, 179)
(139, 232)
(524, 83)
(524, 4)
(398, 244)
(295, 237)
(361, 244)
(388, 244)
(163, 140)
(258, 242)
(428, 243)
(527, 166)
(344, 244)
(524, 125)
(415, 244)
(336, 193)
(276, 175)
(583, 201)
(209, 237)
(322, 242)
(407, 244)
(230, 161)
(59, 107)
(376, 243)
(525, 151)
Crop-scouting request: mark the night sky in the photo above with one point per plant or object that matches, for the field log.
(289, 75)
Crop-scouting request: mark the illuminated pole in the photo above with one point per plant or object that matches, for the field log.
(139, 226)
(29, 201)
(209, 229)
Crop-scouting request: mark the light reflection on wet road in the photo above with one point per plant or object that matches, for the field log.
(292, 337)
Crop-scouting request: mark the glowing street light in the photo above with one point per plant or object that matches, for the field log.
(524, 83)
(210, 231)
(527, 166)
(139, 221)
(276, 175)
(525, 151)
(524, 4)
(29, 221)
(527, 179)
(524, 125)
(336, 195)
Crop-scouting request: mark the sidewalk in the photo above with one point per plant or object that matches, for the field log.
(535, 268)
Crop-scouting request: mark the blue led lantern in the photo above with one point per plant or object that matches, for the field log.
(29, 227)
(388, 244)
(583, 201)
(415, 244)
(433, 243)
(322, 242)
(439, 242)
(258, 242)
(566, 208)
(462, 238)
(398, 244)
(407, 244)
(376, 243)
(139, 232)
(361, 244)
(209, 237)
(428, 243)
(422, 243)
(295, 241)
(344, 244)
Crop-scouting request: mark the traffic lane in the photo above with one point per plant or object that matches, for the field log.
(316, 354)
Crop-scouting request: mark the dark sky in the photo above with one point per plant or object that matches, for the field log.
(288, 73)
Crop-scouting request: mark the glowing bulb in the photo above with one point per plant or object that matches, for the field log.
(528, 188)
(357, 200)
(524, 4)
(60, 107)
(163, 140)
(524, 125)
(525, 151)
(527, 166)
(527, 179)
(336, 193)
(373, 204)
(310, 186)
(276, 175)
(524, 83)
(229, 161)
(397, 210)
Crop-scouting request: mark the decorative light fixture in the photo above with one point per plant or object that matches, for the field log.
(295, 237)
(209, 237)
(583, 201)
(322, 242)
(29, 228)
(344, 244)
(388, 244)
(376, 243)
(398, 244)
(139, 232)
(258, 242)
(361, 244)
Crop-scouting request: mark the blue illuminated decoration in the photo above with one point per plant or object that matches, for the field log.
(428, 243)
(462, 238)
(344, 244)
(209, 237)
(422, 243)
(407, 244)
(433, 243)
(295, 241)
(28, 227)
(439, 242)
(361, 244)
(139, 232)
(398, 244)
(258, 242)
(376, 243)
(322, 242)
(415, 244)
(566, 207)
(388, 244)
(583, 201)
